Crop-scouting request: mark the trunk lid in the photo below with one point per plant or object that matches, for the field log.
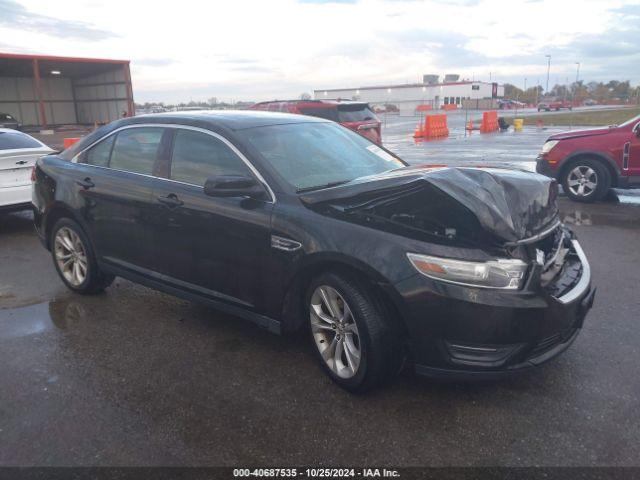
(16, 165)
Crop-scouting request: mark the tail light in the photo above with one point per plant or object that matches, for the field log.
(33, 174)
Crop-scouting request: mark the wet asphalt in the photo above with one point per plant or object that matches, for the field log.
(136, 377)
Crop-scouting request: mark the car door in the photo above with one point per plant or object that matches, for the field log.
(214, 246)
(114, 181)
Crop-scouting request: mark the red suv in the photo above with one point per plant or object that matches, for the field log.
(356, 116)
(588, 162)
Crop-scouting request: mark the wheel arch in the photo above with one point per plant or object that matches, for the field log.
(607, 161)
(293, 308)
(55, 213)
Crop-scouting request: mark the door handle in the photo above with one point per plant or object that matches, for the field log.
(86, 183)
(21, 162)
(171, 200)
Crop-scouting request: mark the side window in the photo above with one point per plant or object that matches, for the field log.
(99, 153)
(198, 156)
(135, 149)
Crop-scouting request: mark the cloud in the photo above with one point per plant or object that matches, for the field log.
(631, 10)
(15, 16)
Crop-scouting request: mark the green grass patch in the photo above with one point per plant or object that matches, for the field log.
(590, 118)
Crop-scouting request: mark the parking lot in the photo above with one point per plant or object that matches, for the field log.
(136, 377)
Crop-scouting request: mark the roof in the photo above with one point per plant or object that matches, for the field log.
(229, 119)
(404, 85)
(21, 65)
(314, 101)
(215, 120)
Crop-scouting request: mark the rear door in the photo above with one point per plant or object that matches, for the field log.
(18, 155)
(213, 246)
(115, 181)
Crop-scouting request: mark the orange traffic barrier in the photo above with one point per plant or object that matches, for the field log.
(449, 106)
(489, 122)
(539, 123)
(423, 108)
(67, 142)
(470, 124)
(435, 126)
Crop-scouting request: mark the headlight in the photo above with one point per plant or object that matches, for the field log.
(548, 145)
(501, 273)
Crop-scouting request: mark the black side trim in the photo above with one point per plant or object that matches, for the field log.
(172, 287)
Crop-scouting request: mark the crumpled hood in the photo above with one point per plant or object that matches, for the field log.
(580, 133)
(509, 204)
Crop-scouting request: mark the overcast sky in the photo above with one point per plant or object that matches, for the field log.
(258, 50)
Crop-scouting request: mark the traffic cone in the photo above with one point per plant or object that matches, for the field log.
(419, 133)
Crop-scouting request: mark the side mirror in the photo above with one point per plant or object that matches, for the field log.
(234, 186)
(636, 129)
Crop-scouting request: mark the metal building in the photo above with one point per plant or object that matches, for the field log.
(407, 98)
(46, 91)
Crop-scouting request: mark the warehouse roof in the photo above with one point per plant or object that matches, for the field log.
(21, 65)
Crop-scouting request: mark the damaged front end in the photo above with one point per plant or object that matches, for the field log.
(504, 286)
(510, 215)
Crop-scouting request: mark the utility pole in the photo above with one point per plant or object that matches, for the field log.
(548, 70)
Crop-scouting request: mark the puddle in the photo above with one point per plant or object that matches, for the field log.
(59, 314)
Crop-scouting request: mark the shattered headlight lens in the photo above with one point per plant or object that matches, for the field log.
(501, 273)
(548, 145)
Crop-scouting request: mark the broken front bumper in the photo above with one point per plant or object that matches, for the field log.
(471, 333)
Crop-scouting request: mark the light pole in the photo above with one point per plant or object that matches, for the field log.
(577, 76)
(546, 92)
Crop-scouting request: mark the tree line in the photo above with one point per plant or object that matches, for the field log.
(601, 92)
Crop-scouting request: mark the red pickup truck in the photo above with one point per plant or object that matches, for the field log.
(555, 105)
(589, 162)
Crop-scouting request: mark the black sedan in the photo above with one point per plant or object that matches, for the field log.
(295, 222)
(9, 121)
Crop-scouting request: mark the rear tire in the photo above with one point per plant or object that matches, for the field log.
(358, 346)
(586, 180)
(74, 259)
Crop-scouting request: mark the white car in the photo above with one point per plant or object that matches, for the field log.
(18, 155)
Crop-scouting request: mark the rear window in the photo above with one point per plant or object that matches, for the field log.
(5, 116)
(13, 140)
(355, 113)
(327, 113)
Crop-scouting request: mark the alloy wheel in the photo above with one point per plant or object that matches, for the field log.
(582, 181)
(71, 256)
(335, 331)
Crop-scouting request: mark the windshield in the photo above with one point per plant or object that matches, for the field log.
(631, 120)
(355, 113)
(314, 155)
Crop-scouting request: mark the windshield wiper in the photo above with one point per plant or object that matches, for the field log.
(320, 187)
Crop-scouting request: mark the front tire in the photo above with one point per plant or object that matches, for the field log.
(74, 259)
(586, 180)
(356, 343)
